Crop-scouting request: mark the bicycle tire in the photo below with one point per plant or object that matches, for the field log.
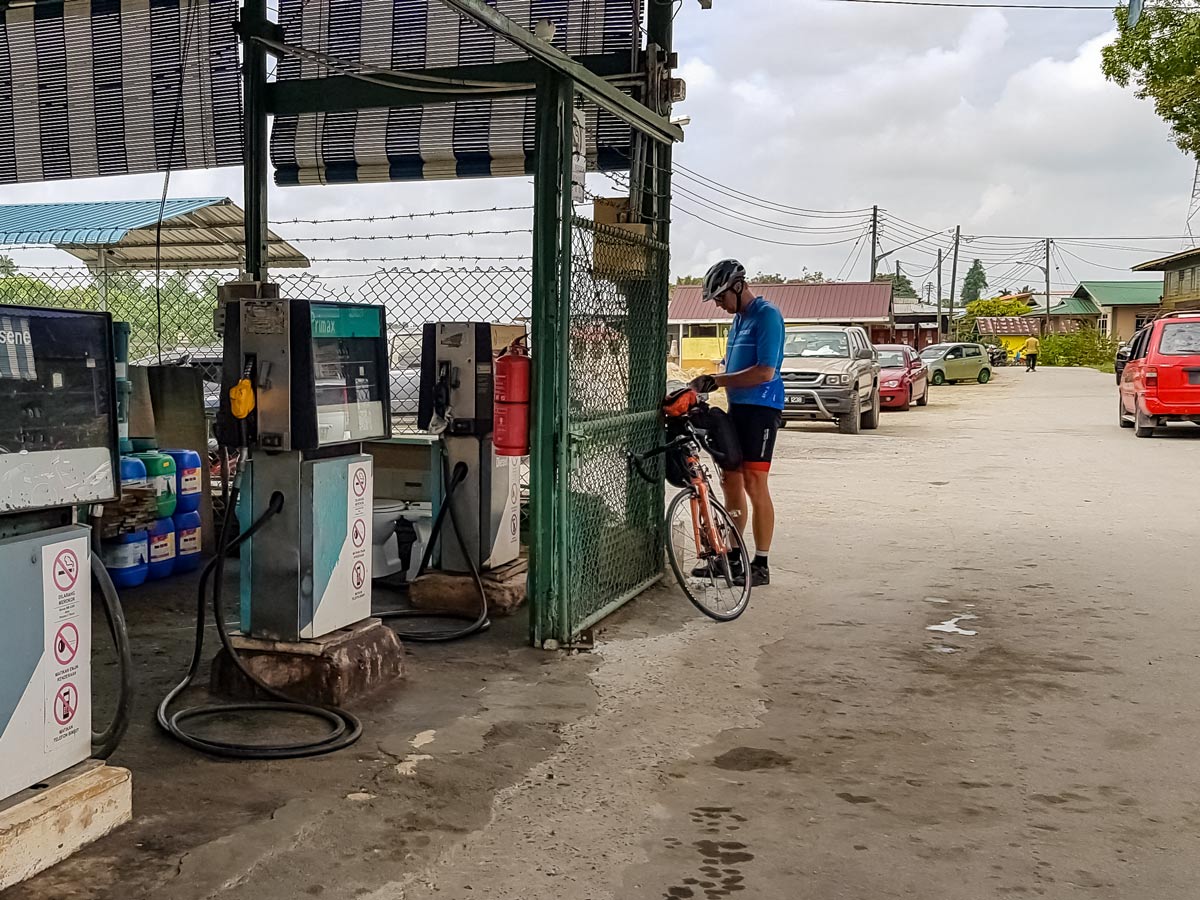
(720, 513)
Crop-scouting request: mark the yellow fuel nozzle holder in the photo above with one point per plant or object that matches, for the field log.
(241, 399)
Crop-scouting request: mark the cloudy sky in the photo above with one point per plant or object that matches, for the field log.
(997, 120)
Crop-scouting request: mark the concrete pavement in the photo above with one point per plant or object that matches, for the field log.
(826, 745)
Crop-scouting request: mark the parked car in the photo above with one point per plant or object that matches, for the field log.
(902, 377)
(1161, 381)
(1121, 359)
(957, 362)
(830, 373)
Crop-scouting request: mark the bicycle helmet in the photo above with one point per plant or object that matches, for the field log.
(722, 276)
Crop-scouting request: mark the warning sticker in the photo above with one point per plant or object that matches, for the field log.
(68, 643)
(66, 569)
(359, 508)
(66, 704)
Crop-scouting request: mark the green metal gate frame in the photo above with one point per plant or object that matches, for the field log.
(592, 550)
(557, 78)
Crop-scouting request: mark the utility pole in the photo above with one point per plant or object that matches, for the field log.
(954, 272)
(940, 334)
(1047, 285)
(874, 240)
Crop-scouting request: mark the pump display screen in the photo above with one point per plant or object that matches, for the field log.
(57, 408)
(349, 380)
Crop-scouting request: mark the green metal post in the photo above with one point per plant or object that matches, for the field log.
(551, 285)
(254, 166)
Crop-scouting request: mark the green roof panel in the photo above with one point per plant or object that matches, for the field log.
(1122, 293)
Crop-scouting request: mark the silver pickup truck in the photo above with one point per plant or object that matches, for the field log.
(831, 373)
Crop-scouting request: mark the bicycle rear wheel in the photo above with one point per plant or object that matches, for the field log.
(714, 593)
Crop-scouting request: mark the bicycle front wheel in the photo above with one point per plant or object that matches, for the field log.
(706, 574)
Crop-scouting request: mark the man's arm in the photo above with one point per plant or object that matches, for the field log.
(751, 377)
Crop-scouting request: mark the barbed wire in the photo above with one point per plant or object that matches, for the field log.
(414, 237)
(371, 259)
(399, 216)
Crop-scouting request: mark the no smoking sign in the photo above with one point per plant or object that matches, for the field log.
(66, 570)
(360, 482)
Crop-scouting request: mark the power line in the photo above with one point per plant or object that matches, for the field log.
(769, 223)
(720, 188)
(764, 240)
(980, 5)
(857, 248)
(1092, 262)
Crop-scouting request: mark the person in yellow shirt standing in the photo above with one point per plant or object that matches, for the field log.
(1030, 349)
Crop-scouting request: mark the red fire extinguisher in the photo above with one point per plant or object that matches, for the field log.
(511, 429)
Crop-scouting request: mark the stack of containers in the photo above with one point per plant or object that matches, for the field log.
(189, 485)
(160, 472)
(127, 557)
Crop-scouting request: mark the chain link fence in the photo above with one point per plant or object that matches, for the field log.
(172, 323)
(618, 355)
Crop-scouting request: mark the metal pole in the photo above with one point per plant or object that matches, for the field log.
(551, 284)
(953, 277)
(940, 332)
(1047, 285)
(254, 166)
(874, 241)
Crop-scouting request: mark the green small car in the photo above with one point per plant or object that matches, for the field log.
(957, 362)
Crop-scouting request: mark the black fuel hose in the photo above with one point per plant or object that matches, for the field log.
(105, 742)
(475, 624)
(344, 727)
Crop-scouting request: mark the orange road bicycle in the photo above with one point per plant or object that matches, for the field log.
(703, 545)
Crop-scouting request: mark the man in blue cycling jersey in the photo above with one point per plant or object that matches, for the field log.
(753, 356)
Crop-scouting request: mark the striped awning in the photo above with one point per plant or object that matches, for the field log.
(92, 87)
(461, 139)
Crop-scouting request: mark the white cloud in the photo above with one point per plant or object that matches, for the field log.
(997, 120)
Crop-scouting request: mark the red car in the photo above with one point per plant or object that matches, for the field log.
(1161, 381)
(902, 377)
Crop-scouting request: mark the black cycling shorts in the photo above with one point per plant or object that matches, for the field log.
(756, 427)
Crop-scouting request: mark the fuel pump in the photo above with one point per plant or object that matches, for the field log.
(460, 381)
(58, 455)
(304, 384)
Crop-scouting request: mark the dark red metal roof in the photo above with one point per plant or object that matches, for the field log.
(843, 301)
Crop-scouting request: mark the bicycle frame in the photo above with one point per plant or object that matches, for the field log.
(703, 524)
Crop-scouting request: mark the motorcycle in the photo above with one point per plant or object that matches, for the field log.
(998, 356)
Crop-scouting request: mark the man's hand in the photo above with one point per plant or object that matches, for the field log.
(703, 384)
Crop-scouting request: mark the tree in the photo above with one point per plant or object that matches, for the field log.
(992, 307)
(975, 283)
(902, 286)
(1157, 57)
(768, 278)
(689, 279)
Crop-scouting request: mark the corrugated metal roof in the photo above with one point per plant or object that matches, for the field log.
(201, 232)
(1164, 262)
(843, 301)
(1072, 306)
(1122, 293)
(1007, 325)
